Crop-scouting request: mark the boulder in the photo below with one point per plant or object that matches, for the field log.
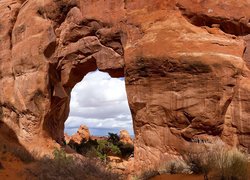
(125, 137)
(82, 135)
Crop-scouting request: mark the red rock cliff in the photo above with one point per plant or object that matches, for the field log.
(186, 65)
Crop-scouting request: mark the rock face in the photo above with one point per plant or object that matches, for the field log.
(125, 137)
(82, 135)
(186, 65)
(66, 138)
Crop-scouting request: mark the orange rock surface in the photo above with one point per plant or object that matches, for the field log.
(82, 135)
(125, 137)
(185, 62)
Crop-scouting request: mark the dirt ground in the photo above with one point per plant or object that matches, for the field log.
(185, 176)
(178, 177)
(13, 168)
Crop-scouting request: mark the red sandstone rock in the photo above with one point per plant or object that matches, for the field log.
(98, 138)
(186, 68)
(82, 135)
(67, 138)
(125, 137)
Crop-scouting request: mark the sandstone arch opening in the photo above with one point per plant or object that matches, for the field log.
(99, 102)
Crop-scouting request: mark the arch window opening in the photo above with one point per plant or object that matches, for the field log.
(100, 103)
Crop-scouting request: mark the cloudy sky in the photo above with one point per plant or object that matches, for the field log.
(100, 102)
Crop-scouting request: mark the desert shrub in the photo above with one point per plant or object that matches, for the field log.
(114, 138)
(76, 169)
(148, 174)
(107, 148)
(102, 157)
(25, 156)
(19, 152)
(230, 165)
(103, 148)
(92, 153)
(61, 159)
(86, 147)
(218, 160)
(201, 158)
(199, 162)
(126, 149)
(100, 149)
(174, 167)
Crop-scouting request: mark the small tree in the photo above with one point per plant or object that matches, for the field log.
(113, 138)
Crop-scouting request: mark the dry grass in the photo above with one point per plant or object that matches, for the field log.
(231, 164)
(216, 161)
(19, 152)
(148, 174)
(213, 160)
(175, 167)
(66, 167)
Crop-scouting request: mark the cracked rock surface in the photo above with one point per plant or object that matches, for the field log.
(185, 62)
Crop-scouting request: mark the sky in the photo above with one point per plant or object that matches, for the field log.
(100, 103)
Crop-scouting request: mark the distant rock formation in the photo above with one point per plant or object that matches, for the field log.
(125, 137)
(67, 138)
(82, 135)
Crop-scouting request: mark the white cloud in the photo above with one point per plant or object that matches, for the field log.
(100, 102)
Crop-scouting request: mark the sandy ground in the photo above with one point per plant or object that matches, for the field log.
(13, 168)
(184, 177)
(178, 177)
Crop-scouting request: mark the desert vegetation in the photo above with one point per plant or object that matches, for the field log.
(58, 166)
(63, 166)
(214, 161)
(19, 152)
(112, 146)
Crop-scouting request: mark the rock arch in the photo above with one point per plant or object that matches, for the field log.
(183, 81)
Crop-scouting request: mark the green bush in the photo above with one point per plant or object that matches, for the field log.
(114, 138)
(103, 148)
(61, 159)
(126, 149)
(86, 147)
(108, 148)
(92, 153)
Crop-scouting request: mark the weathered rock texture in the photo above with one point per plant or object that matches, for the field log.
(125, 137)
(82, 135)
(186, 65)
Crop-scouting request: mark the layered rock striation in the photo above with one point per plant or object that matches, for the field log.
(185, 62)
